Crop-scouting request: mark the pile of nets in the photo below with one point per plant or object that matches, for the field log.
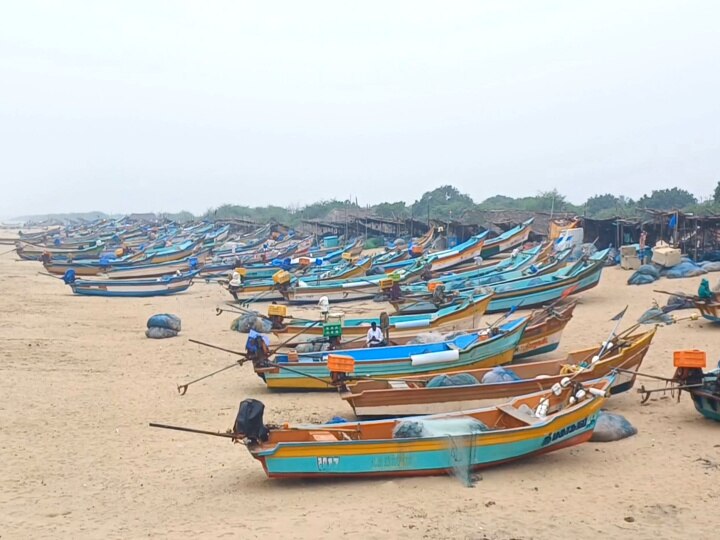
(647, 273)
(656, 315)
(437, 427)
(313, 345)
(710, 266)
(612, 427)
(687, 268)
(252, 320)
(678, 301)
(457, 379)
(499, 374)
(163, 325)
(427, 337)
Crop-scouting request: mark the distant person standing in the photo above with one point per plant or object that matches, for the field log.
(643, 243)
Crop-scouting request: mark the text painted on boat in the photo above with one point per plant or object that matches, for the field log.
(564, 432)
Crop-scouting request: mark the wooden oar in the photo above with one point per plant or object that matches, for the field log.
(236, 436)
(182, 388)
(681, 295)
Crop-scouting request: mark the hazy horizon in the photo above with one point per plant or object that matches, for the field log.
(168, 106)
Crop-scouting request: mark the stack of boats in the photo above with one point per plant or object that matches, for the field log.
(445, 390)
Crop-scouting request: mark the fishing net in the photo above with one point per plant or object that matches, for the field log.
(458, 379)
(655, 315)
(499, 374)
(156, 332)
(612, 427)
(251, 321)
(165, 320)
(685, 269)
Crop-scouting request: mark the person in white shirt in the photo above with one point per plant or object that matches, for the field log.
(375, 336)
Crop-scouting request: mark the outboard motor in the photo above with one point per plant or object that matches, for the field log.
(249, 421)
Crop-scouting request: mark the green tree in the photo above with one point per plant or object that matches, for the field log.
(667, 199)
(716, 195)
(396, 210)
(444, 202)
(599, 203)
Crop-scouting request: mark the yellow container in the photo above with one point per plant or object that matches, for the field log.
(282, 276)
(242, 271)
(690, 359)
(340, 364)
(347, 256)
(386, 284)
(278, 310)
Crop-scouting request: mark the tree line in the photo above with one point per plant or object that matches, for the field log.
(447, 203)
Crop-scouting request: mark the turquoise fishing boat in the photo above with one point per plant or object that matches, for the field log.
(131, 288)
(455, 443)
(536, 291)
(707, 397)
(473, 350)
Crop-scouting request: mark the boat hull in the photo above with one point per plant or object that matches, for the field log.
(428, 456)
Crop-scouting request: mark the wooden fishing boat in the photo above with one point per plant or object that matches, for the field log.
(133, 288)
(707, 397)
(469, 250)
(419, 395)
(458, 317)
(575, 278)
(419, 298)
(30, 252)
(508, 240)
(544, 330)
(703, 387)
(175, 253)
(141, 271)
(311, 371)
(309, 289)
(709, 308)
(431, 445)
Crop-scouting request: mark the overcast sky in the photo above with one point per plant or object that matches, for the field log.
(163, 106)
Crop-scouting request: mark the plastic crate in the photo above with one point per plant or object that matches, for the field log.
(693, 358)
(281, 276)
(332, 330)
(277, 310)
(340, 364)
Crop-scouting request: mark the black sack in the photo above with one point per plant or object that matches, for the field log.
(249, 420)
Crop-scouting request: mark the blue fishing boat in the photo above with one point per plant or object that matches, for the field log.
(132, 288)
(536, 291)
(473, 350)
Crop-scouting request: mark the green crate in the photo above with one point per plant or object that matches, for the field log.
(332, 330)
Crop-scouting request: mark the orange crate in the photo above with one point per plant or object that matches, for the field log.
(281, 276)
(690, 359)
(417, 250)
(432, 285)
(276, 309)
(340, 364)
(386, 283)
